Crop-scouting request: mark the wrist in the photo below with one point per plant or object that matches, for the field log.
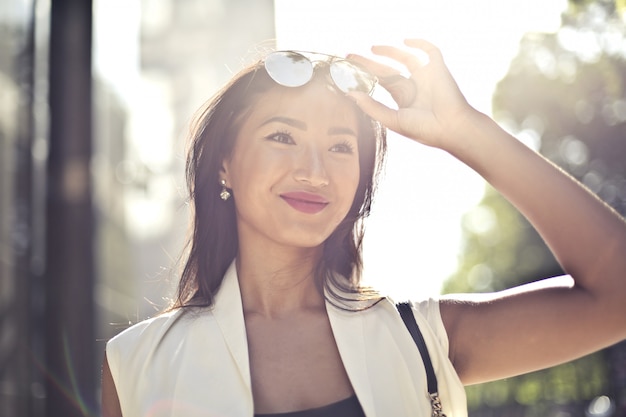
(466, 131)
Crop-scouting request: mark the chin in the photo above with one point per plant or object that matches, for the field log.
(306, 240)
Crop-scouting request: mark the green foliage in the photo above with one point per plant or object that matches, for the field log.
(577, 7)
(500, 249)
(577, 381)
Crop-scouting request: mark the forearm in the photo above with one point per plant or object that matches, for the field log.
(586, 236)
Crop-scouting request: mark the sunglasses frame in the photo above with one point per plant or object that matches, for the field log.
(360, 75)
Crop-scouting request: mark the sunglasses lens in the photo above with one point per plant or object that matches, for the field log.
(289, 69)
(348, 77)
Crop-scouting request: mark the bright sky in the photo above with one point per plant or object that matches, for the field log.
(413, 235)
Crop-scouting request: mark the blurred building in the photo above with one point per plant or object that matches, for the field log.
(23, 147)
(91, 223)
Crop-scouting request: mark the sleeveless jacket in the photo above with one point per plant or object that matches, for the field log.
(194, 362)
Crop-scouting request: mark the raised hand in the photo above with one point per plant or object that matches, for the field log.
(431, 108)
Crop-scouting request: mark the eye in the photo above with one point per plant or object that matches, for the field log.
(343, 147)
(281, 137)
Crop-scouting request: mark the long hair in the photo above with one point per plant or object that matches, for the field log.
(213, 243)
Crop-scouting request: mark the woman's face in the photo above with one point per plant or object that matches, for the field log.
(294, 169)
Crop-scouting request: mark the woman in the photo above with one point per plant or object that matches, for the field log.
(270, 317)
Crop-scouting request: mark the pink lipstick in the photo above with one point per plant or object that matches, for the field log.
(305, 202)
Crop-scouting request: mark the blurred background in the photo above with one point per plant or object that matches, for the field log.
(95, 100)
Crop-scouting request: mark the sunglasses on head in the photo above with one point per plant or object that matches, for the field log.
(295, 69)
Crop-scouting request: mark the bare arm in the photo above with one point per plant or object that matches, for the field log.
(529, 327)
(110, 400)
(536, 326)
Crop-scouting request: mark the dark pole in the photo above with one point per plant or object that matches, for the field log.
(70, 343)
(16, 364)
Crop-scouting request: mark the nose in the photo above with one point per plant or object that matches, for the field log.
(310, 167)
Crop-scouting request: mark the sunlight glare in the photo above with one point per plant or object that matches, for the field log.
(414, 232)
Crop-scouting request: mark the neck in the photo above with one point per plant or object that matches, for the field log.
(278, 281)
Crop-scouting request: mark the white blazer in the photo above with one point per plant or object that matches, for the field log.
(194, 362)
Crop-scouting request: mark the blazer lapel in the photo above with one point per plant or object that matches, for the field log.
(228, 312)
(348, 329)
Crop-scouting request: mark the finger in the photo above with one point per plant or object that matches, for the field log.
(375, 109)
(376, 68)
(390, 78)
(410, 60)
(430, 49)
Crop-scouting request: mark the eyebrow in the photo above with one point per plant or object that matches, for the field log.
(302, 126)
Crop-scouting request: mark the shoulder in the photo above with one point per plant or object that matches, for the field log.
(145, 336)
(427, 315)
(153, 343)
(388, 336)
(147, 327)
(430, 312)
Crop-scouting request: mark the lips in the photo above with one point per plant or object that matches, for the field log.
(305, 202)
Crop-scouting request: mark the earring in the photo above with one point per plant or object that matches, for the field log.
(224, 194)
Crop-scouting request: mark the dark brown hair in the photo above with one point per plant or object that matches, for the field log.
(213, 243)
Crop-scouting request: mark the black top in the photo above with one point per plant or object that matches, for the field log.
(350, 407)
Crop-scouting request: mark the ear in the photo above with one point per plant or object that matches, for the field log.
(223, 174)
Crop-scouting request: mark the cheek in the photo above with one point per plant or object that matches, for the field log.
(243, 169)
(348, 181)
